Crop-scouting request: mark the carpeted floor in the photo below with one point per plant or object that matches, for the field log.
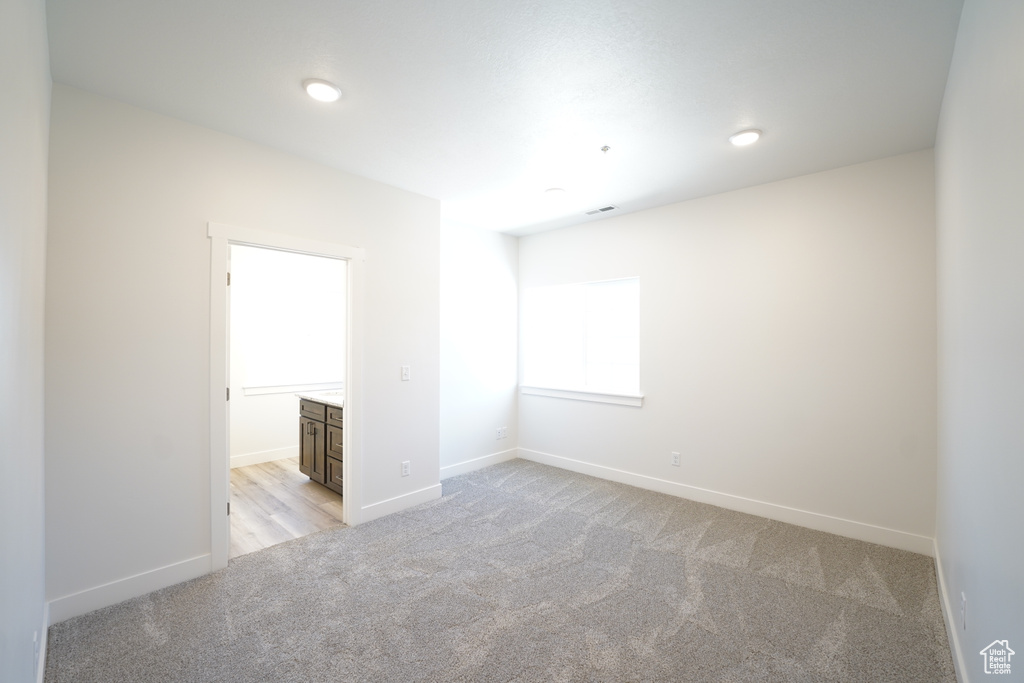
(523, 572)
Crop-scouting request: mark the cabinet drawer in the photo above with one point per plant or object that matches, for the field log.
(334, 476)
(312, 410)
(334, 448)
(334, 415)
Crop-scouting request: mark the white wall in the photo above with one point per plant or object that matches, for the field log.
(478, 347)
(127, 351)
(980, 177)
(261, 427)
(24, 123)
(787, 349)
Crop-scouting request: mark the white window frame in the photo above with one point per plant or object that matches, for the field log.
(635, 400)
(581, 394)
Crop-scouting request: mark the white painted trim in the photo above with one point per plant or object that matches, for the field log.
(399, 503)
(950, 620)
(277, 240)
(352, 435)
(44, 633)
(221, 235)
(124, 589)
(811, 520)
(220, 478)
(478, 463)
(634, 400)
(246, 459)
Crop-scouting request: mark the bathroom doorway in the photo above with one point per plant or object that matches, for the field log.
(279, 360)
(287, 337)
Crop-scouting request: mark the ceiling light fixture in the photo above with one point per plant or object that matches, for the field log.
(745, 137)
(322, 91)
(554, 192)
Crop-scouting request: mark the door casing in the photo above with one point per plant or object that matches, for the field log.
(221, 236)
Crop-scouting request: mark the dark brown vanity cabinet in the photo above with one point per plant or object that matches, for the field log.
(320, 443)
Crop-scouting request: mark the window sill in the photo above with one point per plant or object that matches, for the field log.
(634, 400)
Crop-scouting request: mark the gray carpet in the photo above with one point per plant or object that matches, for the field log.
(523, 572)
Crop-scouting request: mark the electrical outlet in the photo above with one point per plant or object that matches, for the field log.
(963, 611)
(502, 432)
(405, 468)
(405, 373)
(675, 459)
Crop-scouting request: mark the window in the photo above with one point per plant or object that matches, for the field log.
(583, 338)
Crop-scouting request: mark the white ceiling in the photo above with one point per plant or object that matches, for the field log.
(484, 104)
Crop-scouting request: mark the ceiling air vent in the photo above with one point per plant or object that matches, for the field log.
(603, 209)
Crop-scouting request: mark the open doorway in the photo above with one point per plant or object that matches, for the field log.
(349, 394)
(287, 339)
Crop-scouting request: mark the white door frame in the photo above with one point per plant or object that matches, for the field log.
(221, 236)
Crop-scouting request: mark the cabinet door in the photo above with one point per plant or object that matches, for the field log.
(320, 453)
(313, 449)
(307, 446)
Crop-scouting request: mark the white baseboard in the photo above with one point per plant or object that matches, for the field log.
(256, 458)
(949, 617)
(43, 634)
(399, 503)
(812, 520)
(478, 463)
(124, 589)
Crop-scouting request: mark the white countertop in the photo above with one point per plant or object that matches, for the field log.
(331, 398)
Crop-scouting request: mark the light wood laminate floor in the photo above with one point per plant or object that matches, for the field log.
(273, 502)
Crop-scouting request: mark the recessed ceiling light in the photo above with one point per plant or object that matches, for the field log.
(322, 91)
(745, 137)
(554, 192)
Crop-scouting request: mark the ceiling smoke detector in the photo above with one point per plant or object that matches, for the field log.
(603, 209)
